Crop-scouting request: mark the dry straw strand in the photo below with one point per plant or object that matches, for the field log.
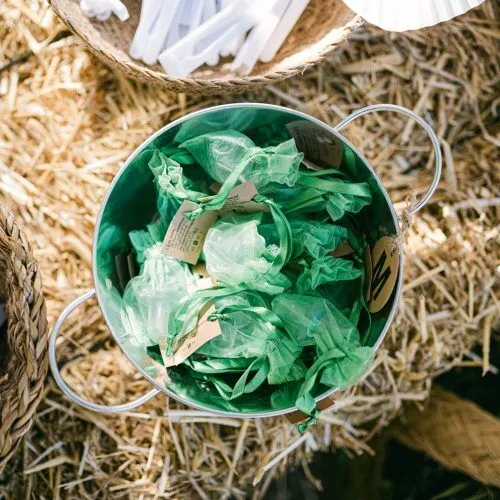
(67, 124)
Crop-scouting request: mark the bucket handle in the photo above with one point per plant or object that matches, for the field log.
(428, 129)
(62, 384)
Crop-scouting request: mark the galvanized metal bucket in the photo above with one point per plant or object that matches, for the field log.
(130, 201)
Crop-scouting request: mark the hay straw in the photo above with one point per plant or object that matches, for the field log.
(67, 125)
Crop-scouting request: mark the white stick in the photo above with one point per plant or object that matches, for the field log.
(176, 63)
(149, 13)
(160, 31)
(187, 13)
(236, 44)
(231, 14)
(227, 49)
(209, 10)
(119, 9)
(196, 17)
(176, 32)
(283, 29)
(258, 38)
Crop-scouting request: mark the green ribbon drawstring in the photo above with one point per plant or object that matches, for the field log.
(308, 197)
(218, 316)
(284, 233)
(243, 386)
(260, 313)
(214, 366)
(217, 201)
(184, 315)
(313, 419)
(325, 171)
(335, 186)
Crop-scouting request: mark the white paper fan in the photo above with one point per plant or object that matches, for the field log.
(403, 15)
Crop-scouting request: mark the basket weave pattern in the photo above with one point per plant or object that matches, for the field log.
(457, 433)
(323, 26)
(25, 348)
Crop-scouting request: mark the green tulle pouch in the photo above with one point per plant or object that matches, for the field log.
(275, 349)
(236, 254)
(341, 358)
(230, 157)
(149, 298)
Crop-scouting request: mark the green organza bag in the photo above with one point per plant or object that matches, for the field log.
(325, 270)
(250, 330)
(236, 254)
(252, 351)
(280, 348)
(149, 297)
(230, 157)
(341, 358)
(222, 153)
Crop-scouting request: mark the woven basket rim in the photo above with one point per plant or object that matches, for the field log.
(329, 42)
(27, 337)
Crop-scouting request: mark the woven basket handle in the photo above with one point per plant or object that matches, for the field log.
(62, 384)
(430, 132)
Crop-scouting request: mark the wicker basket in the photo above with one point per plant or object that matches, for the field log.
(24, 348)
(323, 26)
(455, 432)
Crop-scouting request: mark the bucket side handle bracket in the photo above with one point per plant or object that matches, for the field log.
(65, 387)
(428, 129)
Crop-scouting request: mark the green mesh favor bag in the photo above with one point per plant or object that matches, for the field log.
(273, 348)
(236, 254)
(341, 359)
(149, 297)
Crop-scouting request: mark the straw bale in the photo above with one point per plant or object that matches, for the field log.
(67, 123)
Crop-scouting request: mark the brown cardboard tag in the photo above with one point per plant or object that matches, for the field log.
(385, 267)
(206, 280)
(214, 187)
(201, 269)
(297, 416)
(341, 251)
(240, 200)
(184, 238)
(310, 165)
(317, 144)
(367, 261)
(205, 330)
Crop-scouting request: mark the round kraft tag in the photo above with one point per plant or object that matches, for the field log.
(385, 267)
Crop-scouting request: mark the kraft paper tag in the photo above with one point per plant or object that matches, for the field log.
(317, 144)
(240, 200)
(385, 267)
(205, 330)
(214, 187)
(367, 261)
(297, 416)
(184, 238)
(310, 165)
(201, 269)
(341, 251)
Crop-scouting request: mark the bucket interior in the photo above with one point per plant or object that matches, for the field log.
(131, 204)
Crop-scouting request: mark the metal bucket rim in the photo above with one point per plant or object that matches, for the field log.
(131, 158)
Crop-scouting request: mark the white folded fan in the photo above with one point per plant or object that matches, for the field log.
(404, 15)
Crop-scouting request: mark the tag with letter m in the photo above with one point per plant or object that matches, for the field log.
(385, 265)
